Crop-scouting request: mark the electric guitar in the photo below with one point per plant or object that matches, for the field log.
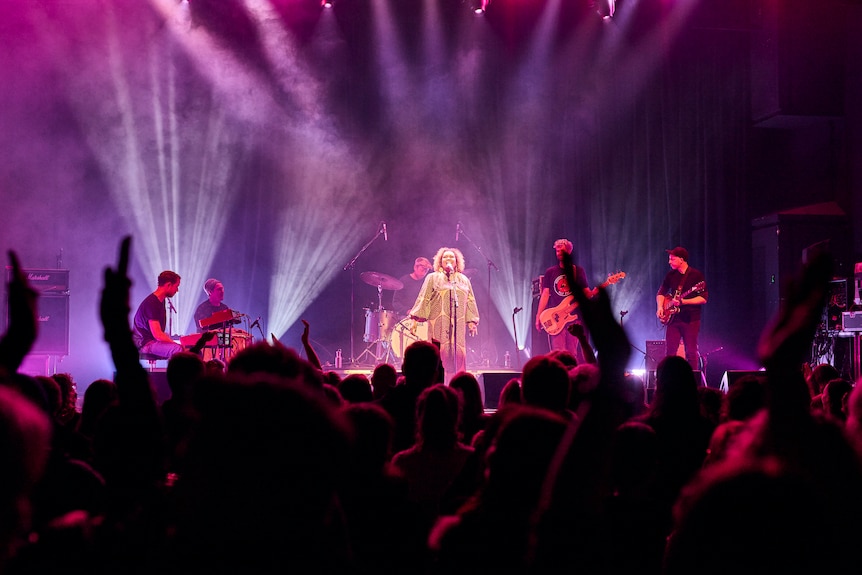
(669, 311)
(555, 319)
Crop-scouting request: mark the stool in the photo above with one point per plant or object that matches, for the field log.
(150, 359)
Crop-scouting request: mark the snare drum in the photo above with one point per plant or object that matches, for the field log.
(378, 324)
(401, 336)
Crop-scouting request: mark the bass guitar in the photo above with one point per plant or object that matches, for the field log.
(555, 319)
(669, 310)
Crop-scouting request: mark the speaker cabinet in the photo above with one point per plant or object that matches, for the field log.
(53, 309)
(492, 383)
(53, 322)
(654, 353)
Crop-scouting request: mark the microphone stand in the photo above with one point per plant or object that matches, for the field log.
(351, 265)
(453, 314)
(487, 259)
(490, 263)
(515, 331)
(172, 310)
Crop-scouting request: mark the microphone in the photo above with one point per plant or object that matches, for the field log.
(449, 269)
(255, 323)
(517, 309)
(171, 305)
(457, 231)
(385, 235)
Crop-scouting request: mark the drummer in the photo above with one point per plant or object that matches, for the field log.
(403, 299)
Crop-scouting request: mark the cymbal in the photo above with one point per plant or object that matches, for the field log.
(384, 281)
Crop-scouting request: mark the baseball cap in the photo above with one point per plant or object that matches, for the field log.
(679, 252)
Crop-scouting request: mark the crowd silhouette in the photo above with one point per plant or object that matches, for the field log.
(272, 465)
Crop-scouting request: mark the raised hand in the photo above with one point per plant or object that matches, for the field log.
(22, 332)
(205, 338)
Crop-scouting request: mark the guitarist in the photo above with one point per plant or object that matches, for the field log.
(555, 288)
(679, 301)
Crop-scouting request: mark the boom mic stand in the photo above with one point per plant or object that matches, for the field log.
(490, 263)
(351, 265)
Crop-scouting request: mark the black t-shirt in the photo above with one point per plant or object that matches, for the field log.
(205, 310)
(150, 308)
(675, 282)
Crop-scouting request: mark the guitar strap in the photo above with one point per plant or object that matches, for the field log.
(679, 287)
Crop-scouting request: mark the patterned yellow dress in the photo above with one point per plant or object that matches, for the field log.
(446, 304)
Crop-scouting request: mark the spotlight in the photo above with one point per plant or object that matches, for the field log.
(479, 6)
(326, 3)
(605, 8)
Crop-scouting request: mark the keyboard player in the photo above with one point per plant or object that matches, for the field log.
(211, 306)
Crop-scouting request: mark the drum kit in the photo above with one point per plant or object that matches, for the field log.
(387, 332)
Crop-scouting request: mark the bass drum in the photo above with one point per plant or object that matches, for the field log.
(401, 336)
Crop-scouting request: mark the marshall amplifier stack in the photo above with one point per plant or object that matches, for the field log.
(53, 309)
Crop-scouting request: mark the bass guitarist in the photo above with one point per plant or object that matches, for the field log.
(555, 288)
(678, 302)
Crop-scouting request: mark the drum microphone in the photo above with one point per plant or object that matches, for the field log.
(171, 305)
(385, 235)
(517, 309)
(255, 323)
(457, 231)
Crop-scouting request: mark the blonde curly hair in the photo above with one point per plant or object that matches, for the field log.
(459, 259)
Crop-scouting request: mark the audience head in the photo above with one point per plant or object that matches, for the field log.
(545, 383)
(438, 412)
(260, 476)
(184, 368)
(100, 396)
(520, 453)
(25, 439)
(565, 357)
(69, 392)
(466, 384)
(276, 360)
(822, 374)
(421, 363)
(745, 397)
(510, 394)
(373, 429)
(355, 388)
(383, 379)
(675, 388)
(834, 398)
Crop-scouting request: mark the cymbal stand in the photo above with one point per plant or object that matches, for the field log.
(378, 343)
(351, 265)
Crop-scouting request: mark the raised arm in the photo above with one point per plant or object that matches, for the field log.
(309, 350)
(19, 338)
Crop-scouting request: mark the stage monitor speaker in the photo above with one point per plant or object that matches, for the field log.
(492, 383)
(731, 376)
